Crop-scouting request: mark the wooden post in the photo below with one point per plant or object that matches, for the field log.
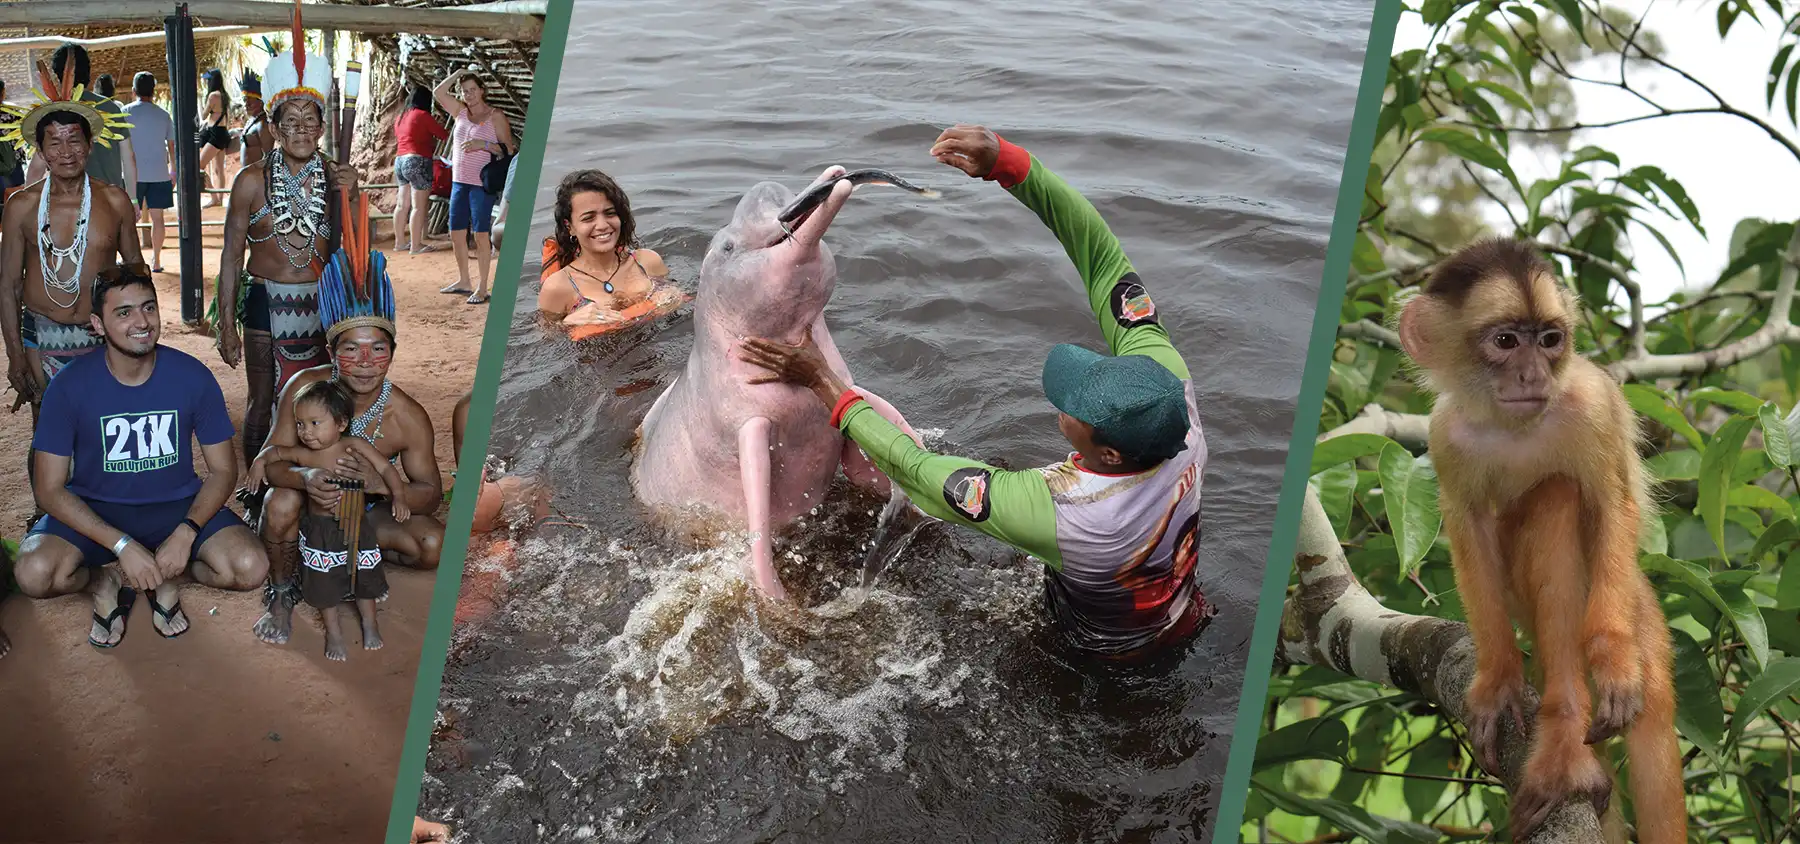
(184, 86)
(331, 96)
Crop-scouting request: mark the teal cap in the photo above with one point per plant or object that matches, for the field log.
(1135, 404)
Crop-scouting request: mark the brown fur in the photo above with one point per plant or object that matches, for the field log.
(1543, 505)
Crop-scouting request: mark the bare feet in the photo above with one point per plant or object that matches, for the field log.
(334, 637)
(275, 624)
(371, 632)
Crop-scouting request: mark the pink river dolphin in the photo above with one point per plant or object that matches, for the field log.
(715, 446)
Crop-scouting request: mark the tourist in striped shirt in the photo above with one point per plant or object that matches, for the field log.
(480, 135)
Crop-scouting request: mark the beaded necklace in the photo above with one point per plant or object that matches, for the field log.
(52, 257)
(297, 203)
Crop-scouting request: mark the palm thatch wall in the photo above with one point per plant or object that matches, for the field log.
(397, 61)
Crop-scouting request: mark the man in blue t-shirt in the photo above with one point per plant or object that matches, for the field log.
(114, 464)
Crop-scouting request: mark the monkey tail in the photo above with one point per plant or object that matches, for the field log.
(1657, 794)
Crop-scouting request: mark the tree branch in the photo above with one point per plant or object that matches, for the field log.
(1331, 620)
(1364, 329)
(1408, 429)
(1775, 331)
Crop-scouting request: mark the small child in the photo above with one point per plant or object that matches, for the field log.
(322, 413)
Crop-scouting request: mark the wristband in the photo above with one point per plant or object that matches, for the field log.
(119, 547)
(844, 402)
(1012, 165)
(193, 524)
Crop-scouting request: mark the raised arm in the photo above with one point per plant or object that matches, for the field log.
(1119, 300)
(1013, 507)
(446, 100)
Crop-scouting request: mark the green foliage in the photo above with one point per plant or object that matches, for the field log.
(1343, 755)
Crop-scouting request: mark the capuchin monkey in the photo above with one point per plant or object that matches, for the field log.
(1542, 494)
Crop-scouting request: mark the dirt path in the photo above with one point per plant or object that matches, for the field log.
(216, 737)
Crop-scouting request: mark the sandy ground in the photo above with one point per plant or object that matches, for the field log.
(216, 737)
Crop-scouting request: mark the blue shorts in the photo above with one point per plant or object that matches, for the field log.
(159, 195)
(471, 209)
(147, 524)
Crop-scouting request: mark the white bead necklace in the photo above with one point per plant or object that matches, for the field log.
(52, 257)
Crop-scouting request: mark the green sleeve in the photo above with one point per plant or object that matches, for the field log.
(1013, 507)
(1105, 271)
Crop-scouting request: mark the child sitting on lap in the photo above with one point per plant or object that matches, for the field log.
(322, 413)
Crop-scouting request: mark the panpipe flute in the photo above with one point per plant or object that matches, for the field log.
(350, 519)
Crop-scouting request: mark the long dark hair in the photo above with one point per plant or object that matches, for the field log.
(589, 181)
(420, 98)
(215, 84)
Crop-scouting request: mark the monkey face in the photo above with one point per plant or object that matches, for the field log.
(1522, 359)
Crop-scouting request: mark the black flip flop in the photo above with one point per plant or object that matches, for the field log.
(168, 615)
(127, 597)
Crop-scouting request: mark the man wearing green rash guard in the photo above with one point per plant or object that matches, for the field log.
(1117, 524)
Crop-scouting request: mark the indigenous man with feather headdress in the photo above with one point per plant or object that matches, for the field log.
(58, 234)
(282, 215)
(356, 298)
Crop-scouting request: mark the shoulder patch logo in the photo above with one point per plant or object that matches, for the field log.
(967, 492)
(1131, 303)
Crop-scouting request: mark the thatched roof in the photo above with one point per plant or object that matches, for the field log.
(506, 67)
(123, 63)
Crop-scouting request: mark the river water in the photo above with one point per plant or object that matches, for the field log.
(630, 689)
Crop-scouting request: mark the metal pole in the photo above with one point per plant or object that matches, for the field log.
(184, 86)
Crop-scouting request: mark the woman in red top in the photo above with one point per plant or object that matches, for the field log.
(418, 134)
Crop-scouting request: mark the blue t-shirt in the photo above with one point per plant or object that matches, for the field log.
(132, 445)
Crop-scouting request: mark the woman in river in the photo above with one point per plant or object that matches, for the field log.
(481, 134)
(594, 272)
(214, 135)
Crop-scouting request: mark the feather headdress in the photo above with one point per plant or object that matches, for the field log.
(295, 75)
(354, 288)
(251, 85)
(63, 94)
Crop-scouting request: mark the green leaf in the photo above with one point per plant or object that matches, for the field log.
(1793, 88)
(1314, 738)
(1365, 257)
(1410, 488)
(1737, 607)
(1349, 818)
(1698, 713)
(1716, 467)
(1467, 146)
(1683, 465)
(1779, 534)
(1775, 69)
(1435, 12)
(1666, 245)
(1775, 436)
(1586, 198)
(1758, 498)
(1737, 400)
(1342, 449)
(1434, 757)
(1787, 590)
(1654, 538)
(1571, 9)
(1651, 402)
(1777, 681)
(1512, 97)
(1589, 154)
(1337, 493)
(1675, 192)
